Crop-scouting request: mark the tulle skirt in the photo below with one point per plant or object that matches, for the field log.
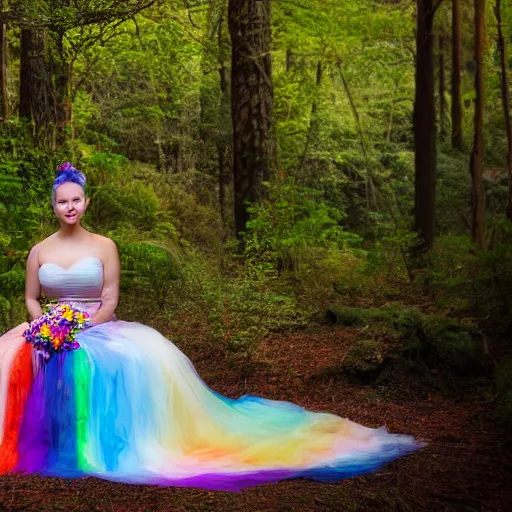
(129, 406)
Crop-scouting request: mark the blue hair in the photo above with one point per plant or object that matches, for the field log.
(68, 174)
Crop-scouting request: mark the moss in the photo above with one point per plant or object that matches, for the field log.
(367, 359)
(394, 315)
(451, 344)
(433, 340)
(350, 317)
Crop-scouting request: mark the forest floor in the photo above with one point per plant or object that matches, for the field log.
(467, 465)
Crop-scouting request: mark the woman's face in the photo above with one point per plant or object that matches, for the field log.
(70, 203)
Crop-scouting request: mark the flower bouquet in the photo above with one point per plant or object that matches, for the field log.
(55, 331)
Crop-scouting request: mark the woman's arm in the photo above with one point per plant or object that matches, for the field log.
(32, 285)
(111, 279)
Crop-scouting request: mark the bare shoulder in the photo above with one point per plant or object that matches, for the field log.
(47, 242)
(41, 246)
(108, 246)
(33, 254)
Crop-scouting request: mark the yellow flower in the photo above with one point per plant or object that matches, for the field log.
(68, 315)
(45, 330)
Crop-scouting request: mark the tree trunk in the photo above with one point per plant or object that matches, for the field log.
(289, 60)
(424, 127)
(368, 184)
(35, 90)
(62, 81)
(4, 105)
(456, 83)
(477, 156)
(254, 150)
(312, 120)
(223, 145)
(26, 74)
(442, 99)
(505, 97)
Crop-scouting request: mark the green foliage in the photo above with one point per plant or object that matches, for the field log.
(132, 202)
(453, 194)
(105, 167)
(26, 175)
(474, 283)
(12, 282)
(244, 309)
(452, 344)
(135, 86)
(152, 267)
(293, 225)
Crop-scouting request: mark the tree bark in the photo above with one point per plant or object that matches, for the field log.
(312, 119)
(35, 87)
(289, 60)
(4, 102)
(62, 84)
(223, 145)
(442, 99)
(477, 156)
(505, 97)
(254, 150)
(456, 81)
(424, 127)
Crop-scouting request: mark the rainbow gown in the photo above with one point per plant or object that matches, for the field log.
(129, 406)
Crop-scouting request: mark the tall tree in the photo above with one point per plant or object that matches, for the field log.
(61, 70)
(313, 121)
(424, 125)
(456, 82)
(442, 99)
(254, 149)
(223, 142)
(477, 155)
(44, 81)
(505, 97)
(36, 103)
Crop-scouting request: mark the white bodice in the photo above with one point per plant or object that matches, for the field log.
(83, 281)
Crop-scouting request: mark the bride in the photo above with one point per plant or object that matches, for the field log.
(129, 406)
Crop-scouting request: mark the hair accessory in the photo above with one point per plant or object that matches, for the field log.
(66, 167)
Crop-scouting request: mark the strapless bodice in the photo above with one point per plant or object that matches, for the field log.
(82, 282)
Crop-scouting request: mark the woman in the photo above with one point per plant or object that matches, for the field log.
(129, 406)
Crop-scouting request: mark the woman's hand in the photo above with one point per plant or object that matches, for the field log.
(111, 280)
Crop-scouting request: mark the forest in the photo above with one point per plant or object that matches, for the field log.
(311, 198)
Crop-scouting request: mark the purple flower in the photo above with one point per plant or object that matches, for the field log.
(54, 331)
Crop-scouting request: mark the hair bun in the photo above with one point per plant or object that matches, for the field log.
(66, 167)
(66, 173)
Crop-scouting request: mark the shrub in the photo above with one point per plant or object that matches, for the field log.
(398, 331)
(134, 203)
(151, 266)
(292, 227)
(243, 310)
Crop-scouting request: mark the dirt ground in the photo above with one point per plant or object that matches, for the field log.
(467, 465)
